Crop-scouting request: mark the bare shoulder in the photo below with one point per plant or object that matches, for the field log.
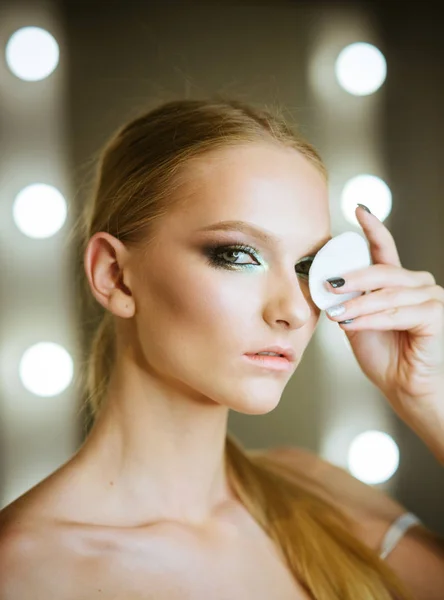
(20, 551)
(418, 558)
(31, 560)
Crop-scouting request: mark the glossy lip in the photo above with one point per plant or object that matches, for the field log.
(275, 363)
(287, 352)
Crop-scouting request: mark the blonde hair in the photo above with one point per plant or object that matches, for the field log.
(139, 175)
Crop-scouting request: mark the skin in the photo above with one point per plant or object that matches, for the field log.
(181, 371)
(155, 456)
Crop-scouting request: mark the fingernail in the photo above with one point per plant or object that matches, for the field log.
(345, 322)
(365, 208)
(335, 311)
(336, 282)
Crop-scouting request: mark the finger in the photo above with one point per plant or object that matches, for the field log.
(425, 319)
(379, 276)
(389, 299)
(382, 245)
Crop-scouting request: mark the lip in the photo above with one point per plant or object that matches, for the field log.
(287, 352)
(275, 363)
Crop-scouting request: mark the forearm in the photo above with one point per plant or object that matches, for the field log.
(427, 421)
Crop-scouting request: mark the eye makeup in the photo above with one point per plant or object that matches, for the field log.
(215, 252)
(215, 257)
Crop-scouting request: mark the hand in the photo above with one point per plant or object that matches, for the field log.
(397, 332)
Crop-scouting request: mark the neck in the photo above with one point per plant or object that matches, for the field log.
(155, 454)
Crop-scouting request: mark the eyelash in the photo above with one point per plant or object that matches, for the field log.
(214, 255)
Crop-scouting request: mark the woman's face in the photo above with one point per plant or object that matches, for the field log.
(201, 303)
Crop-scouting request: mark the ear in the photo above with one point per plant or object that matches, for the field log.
(106, 262)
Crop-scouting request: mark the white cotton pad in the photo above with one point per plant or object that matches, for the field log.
(344, 253)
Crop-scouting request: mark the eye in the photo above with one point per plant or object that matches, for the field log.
(236, 250)
(303, 266)
(223, 256)
(227, 256)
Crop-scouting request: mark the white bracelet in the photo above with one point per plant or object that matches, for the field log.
(396, 531)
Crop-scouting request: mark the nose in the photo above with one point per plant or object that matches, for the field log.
(290, 301)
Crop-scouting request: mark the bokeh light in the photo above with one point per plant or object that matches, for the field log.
(32, 53)
(361, 69)
(373, 457)
(369, 190)
(39, 210)
(46, 369)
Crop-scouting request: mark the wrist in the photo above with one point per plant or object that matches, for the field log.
(426, 419)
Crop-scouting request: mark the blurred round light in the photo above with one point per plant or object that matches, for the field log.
(46, 369)
(361, 69)
(32, 53)
(39, 210)
(373, 457)
(369, 190)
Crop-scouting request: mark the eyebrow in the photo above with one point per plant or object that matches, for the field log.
(256, 232)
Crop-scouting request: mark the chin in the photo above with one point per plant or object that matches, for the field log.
(258, 404)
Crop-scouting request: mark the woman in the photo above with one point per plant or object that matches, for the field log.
(159, 502)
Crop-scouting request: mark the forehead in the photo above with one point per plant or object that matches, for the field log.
(276, 188)
(256, 168)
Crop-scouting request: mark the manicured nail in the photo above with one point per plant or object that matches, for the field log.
(365, 208)
(336, 282)
(335, 311)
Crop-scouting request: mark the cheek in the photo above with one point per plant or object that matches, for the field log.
(213, 301)
(188, 322)
(195, 299)
(315, 310)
